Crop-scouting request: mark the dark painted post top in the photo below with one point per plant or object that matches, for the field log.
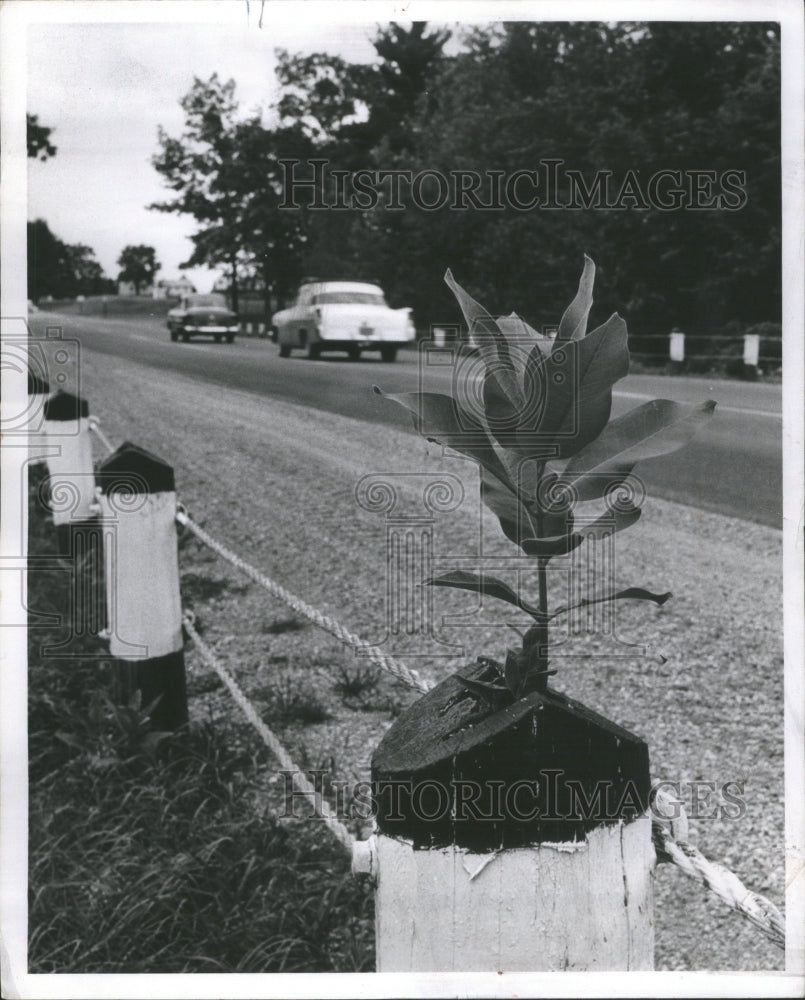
(65, 406)
(139, 470)
(544, 769)
(37, 386)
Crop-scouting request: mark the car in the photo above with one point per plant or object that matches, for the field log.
(203, 314)
(349, 316)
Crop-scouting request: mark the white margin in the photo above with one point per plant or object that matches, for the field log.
(15, 15)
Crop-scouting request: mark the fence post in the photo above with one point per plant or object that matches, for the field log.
(676, 351)
(138, 507)
(71, 478)
(38, 392)
(511, 840)
(751, 357)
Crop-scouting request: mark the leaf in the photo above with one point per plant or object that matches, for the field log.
(547, 547)
(631, 593)
(503, 501)
(511, 672)
(519, 520)
(491, 343)
(439, 418)
(589, 487)
(656, 428)
(576, 383)
(573, 324)
(607, 524)
(483, 584)
(515, 329)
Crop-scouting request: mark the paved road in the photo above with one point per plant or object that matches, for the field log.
(734, 467)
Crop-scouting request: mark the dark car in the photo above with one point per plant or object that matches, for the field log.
(203, 314)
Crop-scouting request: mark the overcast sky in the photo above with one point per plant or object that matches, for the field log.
(105, 88)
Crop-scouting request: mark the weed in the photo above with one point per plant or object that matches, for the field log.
(291, 700)
(285, 625)
(356, 682)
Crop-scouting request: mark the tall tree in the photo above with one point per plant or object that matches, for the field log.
(226, 174)
(202, 167)
(138, 265)
(359, 116)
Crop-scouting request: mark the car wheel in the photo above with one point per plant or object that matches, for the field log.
(274, 335)
(285, 351)
(313, 351)
(388, 352)
(185, 336)
(230, 337)
(354, 352)
(173, 333)
(217, 338)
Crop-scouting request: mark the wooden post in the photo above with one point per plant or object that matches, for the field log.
(38, 392)
(751, 357)
(676, 351)
(71, 478)
(138, 507)
(516, 839)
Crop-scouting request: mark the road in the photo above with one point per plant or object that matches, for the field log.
(734, 466)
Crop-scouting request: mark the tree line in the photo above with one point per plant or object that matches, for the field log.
(692, 103)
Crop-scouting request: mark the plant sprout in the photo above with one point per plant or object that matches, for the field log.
(536, 419)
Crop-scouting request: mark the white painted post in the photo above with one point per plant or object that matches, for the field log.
(676, 350)
(38, 393)
(751, 356)
(71, 478)
(23, 421)
(519, 840)
(138, 508)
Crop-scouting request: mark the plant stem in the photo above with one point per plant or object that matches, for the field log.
(542, 564)
(536, 652)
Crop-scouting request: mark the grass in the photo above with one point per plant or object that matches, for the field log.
(151, 852)
(292, 699)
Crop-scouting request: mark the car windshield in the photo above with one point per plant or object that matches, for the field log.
(342, 298)
(207, 301)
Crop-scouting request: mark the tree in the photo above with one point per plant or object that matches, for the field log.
(138, 265)
(39, 145)
(226, 175)
(203, 168)
(59, 269)
(88, 273)
(359, 116)
(598, 97)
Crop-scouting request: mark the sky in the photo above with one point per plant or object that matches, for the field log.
(105, 88)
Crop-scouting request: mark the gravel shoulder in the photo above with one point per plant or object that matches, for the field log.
(276, 482)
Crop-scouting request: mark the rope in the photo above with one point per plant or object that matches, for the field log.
(720, 880)
(95, 427)
(388, 663)
(334, 825)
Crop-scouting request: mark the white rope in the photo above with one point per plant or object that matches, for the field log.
(95, 427)
(334, 825)
(721, 881)
(390, 664)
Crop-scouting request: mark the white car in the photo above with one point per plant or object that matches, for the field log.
(349, 316)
